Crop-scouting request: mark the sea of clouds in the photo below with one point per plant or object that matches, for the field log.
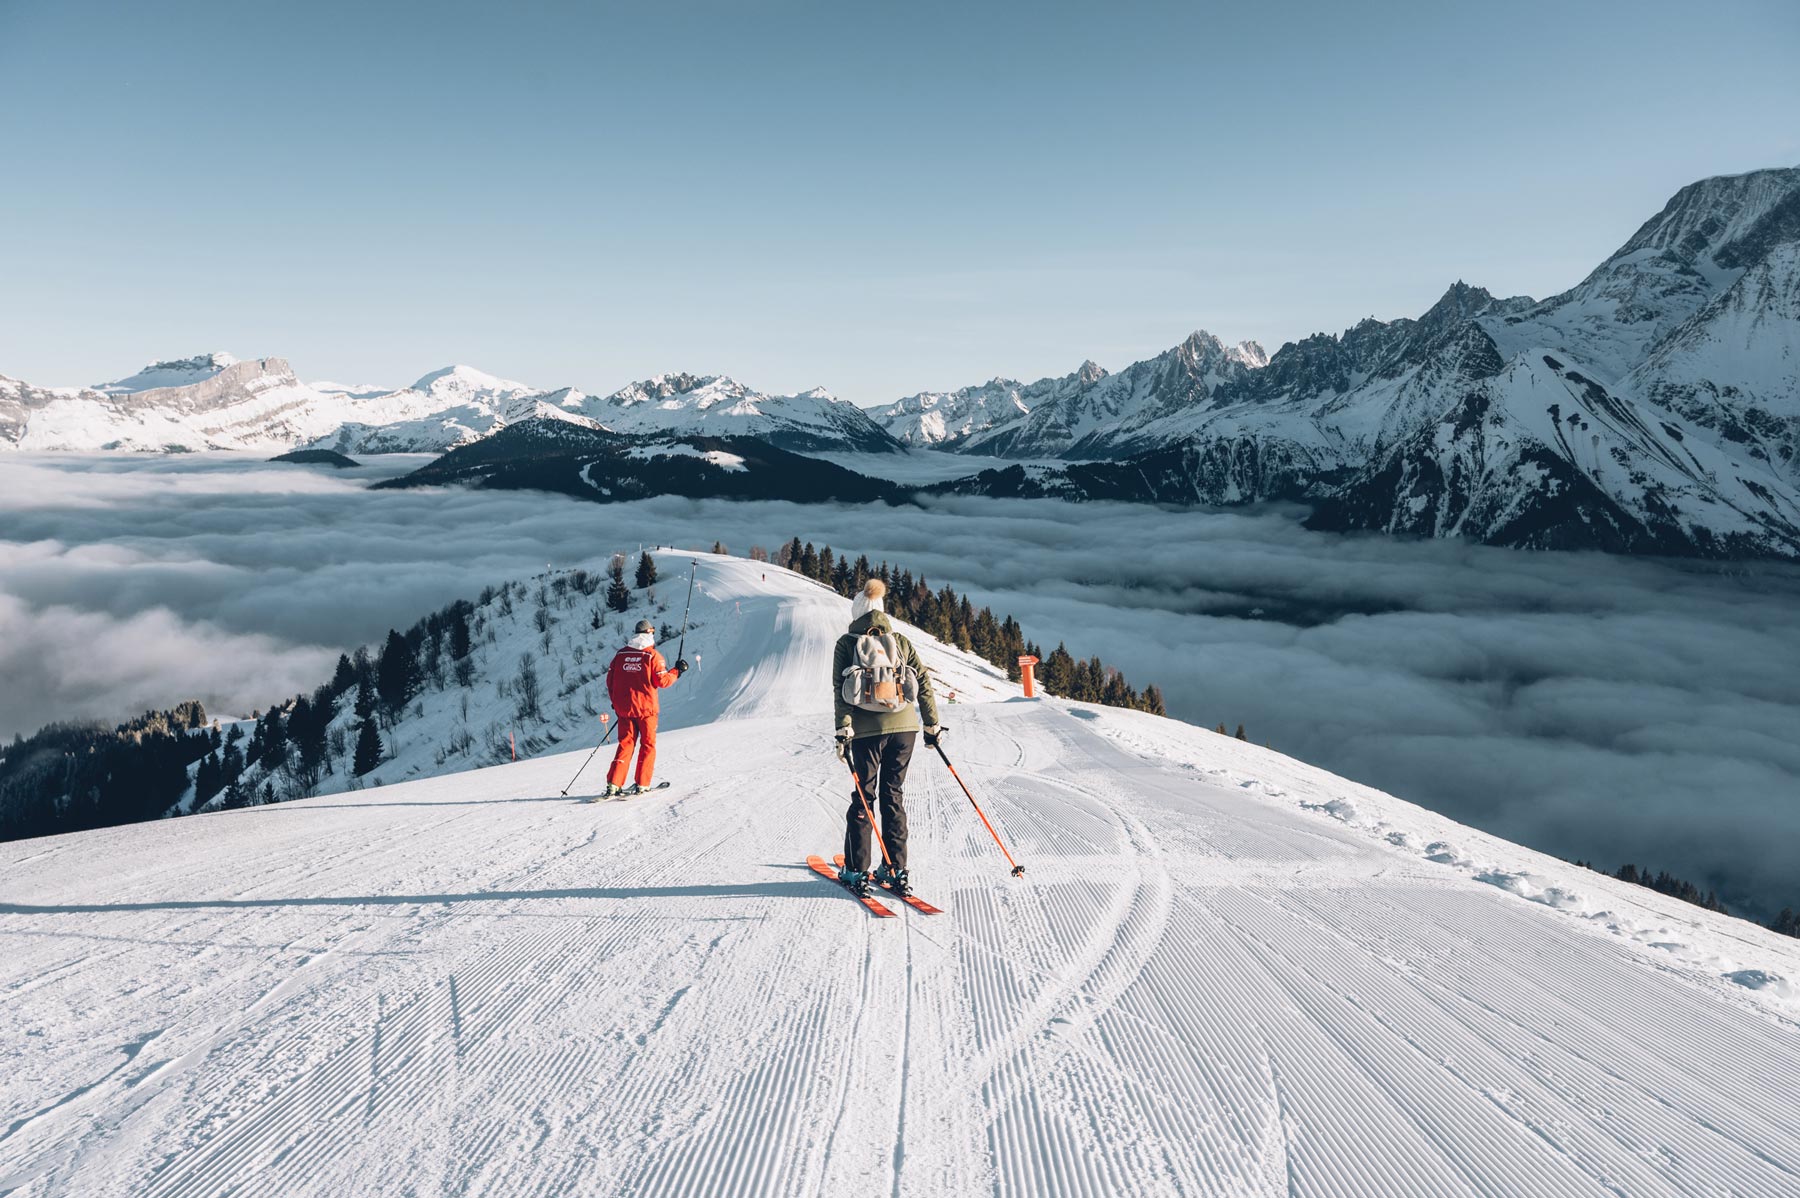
(1592, 706)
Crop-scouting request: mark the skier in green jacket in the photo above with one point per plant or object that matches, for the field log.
(883, 701)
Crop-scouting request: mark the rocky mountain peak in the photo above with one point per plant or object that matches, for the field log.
(1703, 219)
(1462, 301)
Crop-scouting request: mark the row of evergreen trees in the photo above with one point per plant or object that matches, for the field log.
(69, 777)
(1662, 881)
(953, 619)
(1665, 882)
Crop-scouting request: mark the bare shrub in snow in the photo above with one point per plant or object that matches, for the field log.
(526, 683)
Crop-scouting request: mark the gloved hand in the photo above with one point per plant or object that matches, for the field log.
(842, 740)
(681, 666)
(933, 734)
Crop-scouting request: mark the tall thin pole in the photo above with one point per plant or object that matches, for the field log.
(680, 652)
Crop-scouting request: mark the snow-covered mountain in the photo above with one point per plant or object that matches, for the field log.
(1091, 413)
(210, 402)
(719, 406)
(947, 419)
(184, 372)
(1733, 367)
(1696, 248)
(446, 408)
(1654, 406)
(216, 402)
(1223, 971)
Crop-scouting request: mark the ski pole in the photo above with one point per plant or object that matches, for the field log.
(590, 757)
(1018, 871)
(684, 611)
(880, 841)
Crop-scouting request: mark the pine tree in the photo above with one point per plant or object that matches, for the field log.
(307, 726)
(809, 561)
(718, 547)
(1153, 700)
(618, 596)
(345, 678)
(207, 780)
(396, 673)
(231, 762)
(646, 570)
(275, 741)
(459, 632)
(1117, 694)
(368, 749)
(1240, 733)
(1059, 671)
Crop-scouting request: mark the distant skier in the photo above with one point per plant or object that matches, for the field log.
(636, 674)
(883, 699)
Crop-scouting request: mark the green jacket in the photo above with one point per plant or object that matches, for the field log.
(879, 723)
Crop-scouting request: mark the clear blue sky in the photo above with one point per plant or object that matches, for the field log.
(873, 198)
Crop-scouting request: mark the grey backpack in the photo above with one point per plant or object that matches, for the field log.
(879, 679)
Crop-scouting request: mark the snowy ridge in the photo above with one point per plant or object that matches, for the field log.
(1223, 973)
(215, 402)
(182, 373)
(719, 406)
(947, 419)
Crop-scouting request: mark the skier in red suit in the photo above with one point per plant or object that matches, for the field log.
(632, 681)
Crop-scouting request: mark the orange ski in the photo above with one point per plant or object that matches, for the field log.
(875, 905)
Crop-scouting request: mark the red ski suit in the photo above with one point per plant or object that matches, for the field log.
(632, 682)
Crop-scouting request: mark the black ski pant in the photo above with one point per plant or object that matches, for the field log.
(880, 763)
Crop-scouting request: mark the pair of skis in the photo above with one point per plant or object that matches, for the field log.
(830, 871)
(621, 798)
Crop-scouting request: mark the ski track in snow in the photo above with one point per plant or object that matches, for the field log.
(1223, 973)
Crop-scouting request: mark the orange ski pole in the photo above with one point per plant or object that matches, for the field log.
(1018, 871)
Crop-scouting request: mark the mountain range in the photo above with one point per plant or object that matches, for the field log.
(1653, 407)
(214, 401)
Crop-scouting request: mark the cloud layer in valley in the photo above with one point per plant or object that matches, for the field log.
(1591, 706)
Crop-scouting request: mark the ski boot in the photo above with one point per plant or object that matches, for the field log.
(895, 880)
(855, 881)
(611, 791)
(626, 792)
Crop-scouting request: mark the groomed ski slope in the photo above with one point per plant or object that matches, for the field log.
(1224, 973)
